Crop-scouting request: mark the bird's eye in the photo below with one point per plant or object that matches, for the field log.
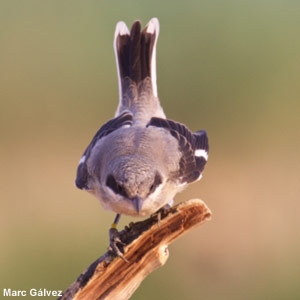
(157, 181)
(116, 187)
(119, 188)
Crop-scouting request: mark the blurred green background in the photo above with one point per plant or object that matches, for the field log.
(230, 67)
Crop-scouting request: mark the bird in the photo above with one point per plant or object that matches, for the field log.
(139, 160)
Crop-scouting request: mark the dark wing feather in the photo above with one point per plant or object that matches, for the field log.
(112, 125)
(192, 163)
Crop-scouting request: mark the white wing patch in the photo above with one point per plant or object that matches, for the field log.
(201, 153)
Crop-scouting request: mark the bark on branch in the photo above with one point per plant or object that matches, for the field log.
(146, 249)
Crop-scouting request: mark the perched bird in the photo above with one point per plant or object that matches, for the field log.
(139, 160)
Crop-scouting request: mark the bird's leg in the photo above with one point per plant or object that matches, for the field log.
(163, 210)
(114, 239)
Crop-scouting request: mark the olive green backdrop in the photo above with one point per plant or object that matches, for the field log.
(230, 67)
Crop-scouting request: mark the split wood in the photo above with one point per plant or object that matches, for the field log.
(146, 249)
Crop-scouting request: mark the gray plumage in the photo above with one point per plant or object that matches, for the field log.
(138, 161)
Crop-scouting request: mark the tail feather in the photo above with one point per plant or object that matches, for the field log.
(135, 53)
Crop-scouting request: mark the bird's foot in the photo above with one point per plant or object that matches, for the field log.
(163, 211)
(115, 244)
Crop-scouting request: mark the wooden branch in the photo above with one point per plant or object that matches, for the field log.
(146, 249)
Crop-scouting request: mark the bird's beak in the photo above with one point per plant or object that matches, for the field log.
(137, 202)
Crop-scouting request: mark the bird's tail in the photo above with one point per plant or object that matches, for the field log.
(135, 52)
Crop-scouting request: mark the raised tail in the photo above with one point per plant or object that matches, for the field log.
(135, 52)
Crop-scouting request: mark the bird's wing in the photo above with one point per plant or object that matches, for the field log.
(125, 119)
(193, 147)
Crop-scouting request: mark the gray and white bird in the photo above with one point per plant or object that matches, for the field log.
(139, 160)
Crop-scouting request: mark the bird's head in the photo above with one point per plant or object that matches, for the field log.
(133, 183)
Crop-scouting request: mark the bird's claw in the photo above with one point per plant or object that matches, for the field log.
(161, 212)
(115, 243)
